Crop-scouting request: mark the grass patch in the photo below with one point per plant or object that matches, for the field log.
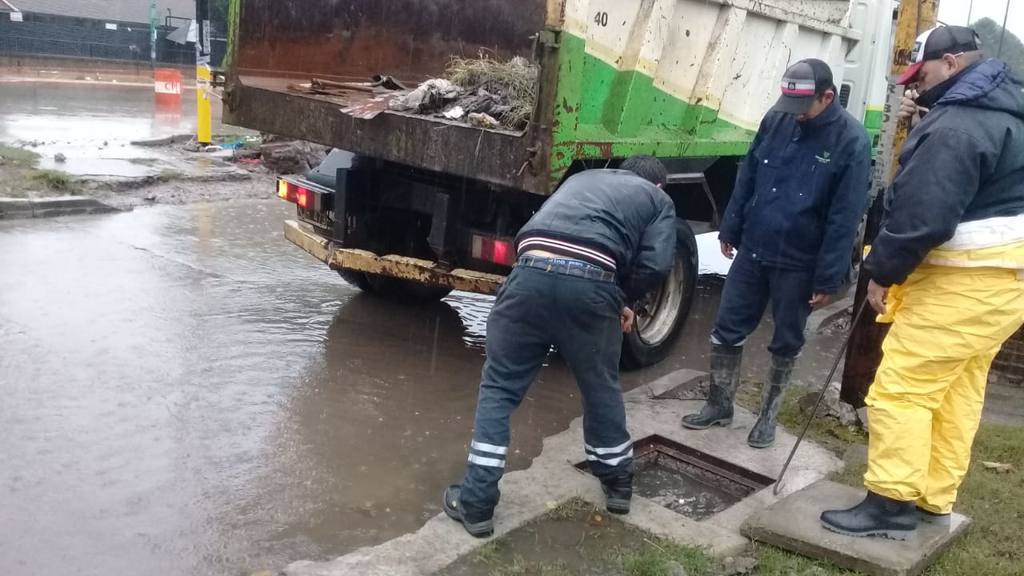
(55, 180)
(662, 558)
(824, 430)
(576, 538)
(18, 157)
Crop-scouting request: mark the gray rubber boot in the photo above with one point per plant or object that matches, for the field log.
(725, 377)
(762, 435)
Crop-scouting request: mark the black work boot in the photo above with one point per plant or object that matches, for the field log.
(725, 377)
(875, 516)
(929, 517)
(618, 492)
(762, 435)
(478, 525)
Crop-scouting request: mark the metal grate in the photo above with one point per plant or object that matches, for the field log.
(844, 95)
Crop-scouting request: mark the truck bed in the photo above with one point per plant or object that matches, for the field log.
(267, 104)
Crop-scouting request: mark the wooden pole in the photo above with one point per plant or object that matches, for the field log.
(865, 349)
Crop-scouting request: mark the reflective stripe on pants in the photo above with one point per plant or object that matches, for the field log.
(924, 406)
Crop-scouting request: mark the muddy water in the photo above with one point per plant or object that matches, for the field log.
(93, 127)
(186, 393)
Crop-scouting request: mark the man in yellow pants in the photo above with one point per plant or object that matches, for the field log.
(947, 269)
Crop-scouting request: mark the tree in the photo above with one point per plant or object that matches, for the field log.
(1013, 49)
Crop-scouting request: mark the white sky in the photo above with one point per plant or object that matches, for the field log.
(955, 12)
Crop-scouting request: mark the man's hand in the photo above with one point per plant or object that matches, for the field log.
(909, 108)
(876, 296)
(819, 300)
(628, 317)
(728, 250)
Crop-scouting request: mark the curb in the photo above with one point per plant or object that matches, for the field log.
(17, 208)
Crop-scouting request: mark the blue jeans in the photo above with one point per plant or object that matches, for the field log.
(537, 309)
(748, 289)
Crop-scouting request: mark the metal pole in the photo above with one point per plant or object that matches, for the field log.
(970, 10)
(152, 31)
(1003, 33)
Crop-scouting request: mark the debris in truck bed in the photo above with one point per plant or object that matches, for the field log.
(483, 92)
(481, 120)
(429, 97)
(504, 90)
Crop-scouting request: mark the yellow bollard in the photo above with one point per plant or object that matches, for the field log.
(204, 112)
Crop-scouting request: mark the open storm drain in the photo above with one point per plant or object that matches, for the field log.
(688, 481)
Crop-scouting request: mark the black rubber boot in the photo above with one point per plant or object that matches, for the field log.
(478, 525)
(618, 492)
(875, 516)
(725, 377)
(762, 435)
(929, 517)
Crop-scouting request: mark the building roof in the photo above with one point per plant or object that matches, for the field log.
(113, 10)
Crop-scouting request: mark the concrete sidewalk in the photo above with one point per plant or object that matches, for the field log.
(553, 478)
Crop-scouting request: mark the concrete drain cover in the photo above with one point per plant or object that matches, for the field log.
(688, 481)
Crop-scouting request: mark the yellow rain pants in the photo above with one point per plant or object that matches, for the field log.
(924, 406)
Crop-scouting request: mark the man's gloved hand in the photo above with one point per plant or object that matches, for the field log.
(909, 107)
(628, 317)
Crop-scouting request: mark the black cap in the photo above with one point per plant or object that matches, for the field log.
(935, 43)
(801, 83)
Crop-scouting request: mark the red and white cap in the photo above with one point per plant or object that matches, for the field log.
(934, 44)
(801, 82)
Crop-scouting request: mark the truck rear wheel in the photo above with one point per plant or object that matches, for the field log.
(663, 312)
(395, 289)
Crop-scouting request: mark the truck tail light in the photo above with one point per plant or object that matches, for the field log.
(296, 194)
(304, 198)
(494, 250)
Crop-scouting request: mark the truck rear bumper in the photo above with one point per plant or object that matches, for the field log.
(392, 266)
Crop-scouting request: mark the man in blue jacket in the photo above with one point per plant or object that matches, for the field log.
(606, 237)
(793, 216)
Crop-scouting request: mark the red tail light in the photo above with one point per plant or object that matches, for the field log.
(494, 250)
(304, 198)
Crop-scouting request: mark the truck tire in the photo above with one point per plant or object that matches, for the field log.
(662, 313)
(357, 279)
(394, 289)
(405, 291)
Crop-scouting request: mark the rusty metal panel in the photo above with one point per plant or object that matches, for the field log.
(498, 157)
(408, 39)
(392, 266)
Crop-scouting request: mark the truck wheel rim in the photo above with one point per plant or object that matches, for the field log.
(658, 311)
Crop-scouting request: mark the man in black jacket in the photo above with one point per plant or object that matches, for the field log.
(605, 238)
(947, 270)
(793, 216)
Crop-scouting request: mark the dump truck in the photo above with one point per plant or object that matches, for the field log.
(412, 206)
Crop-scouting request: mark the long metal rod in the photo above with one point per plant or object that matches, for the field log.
(814, 412)
(1002, 34)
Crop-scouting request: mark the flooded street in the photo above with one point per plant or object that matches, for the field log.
(185, 392)
(95, 133)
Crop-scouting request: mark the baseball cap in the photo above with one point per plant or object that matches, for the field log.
(934, 44)
(801, 82)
